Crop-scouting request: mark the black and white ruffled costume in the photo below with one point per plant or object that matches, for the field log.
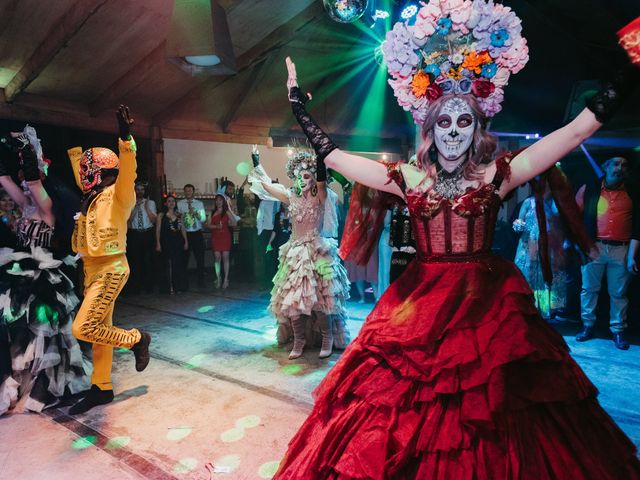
(37, 307)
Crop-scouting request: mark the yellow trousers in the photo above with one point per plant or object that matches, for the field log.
(104, 278)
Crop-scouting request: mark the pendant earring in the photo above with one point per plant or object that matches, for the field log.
(314, 190)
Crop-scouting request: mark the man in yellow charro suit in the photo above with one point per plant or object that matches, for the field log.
(107, 184)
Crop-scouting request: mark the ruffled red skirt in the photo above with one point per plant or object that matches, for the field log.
(455, 376)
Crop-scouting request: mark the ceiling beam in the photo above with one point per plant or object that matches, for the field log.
(274, 40)
(209, 136)
(128, 82)
(55, 40)
(253, 77)
(37, 109)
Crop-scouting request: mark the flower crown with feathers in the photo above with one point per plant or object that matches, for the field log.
(454, 47)
(299, 160)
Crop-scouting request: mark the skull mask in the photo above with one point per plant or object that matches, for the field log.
(93, 161)
(454, 128)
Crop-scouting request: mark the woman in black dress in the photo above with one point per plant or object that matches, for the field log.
(172, 243)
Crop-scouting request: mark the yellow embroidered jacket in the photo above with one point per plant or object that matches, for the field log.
(103, 230)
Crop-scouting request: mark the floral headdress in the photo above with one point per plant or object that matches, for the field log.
(455, 46)
(301, 160)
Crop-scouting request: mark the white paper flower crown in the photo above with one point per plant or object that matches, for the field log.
(455, 46)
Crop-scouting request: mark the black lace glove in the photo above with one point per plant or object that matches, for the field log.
(29, 163)
(319, 140)
(614, 92)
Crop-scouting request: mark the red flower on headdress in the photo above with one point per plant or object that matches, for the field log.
(482, 87)
(434, 91)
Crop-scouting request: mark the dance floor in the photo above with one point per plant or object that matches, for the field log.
(218, 391)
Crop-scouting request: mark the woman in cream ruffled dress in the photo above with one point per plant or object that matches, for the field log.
(311, 285)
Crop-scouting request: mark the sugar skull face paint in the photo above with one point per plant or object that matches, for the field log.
(454, 128)
(305, 181)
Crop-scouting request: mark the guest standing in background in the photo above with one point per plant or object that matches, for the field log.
(172, 243)
(140, 242)
(221, 222)
(193, 218)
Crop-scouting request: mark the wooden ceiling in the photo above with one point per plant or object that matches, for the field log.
(69, 62)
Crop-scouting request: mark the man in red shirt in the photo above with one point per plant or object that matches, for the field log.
(612, 218)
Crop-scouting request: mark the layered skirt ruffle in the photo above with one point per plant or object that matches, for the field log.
(455, 376)
(37, 307)
(310, 282)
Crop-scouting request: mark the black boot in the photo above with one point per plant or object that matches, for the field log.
(92, 399)
(620, 342)
(585, 334)
(141, 351)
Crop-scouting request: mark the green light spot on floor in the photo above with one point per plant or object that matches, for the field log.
(229, 461)
(185, 465)
(195, 361)
(232, 435)
(120, 350)
(117, 442)
(268, 470)
(84, 442)
(206, 309)
(249, 421)
(178, 433)
(293, 369)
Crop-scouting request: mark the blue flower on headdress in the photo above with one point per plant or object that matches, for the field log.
(489, 70)
(444, 25)
(464, 86)
(499, 37)
(447, 86)
(432, 69)
(495, 33)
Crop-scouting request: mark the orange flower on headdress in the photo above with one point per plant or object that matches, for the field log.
(420, 84)
(474, 61)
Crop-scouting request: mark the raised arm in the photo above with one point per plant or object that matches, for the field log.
(600, 108)
(543, 154)
(124, 186)
(360, 169)
(39, 195)
(259, 175)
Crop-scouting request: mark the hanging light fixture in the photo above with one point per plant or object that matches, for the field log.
(199, 41)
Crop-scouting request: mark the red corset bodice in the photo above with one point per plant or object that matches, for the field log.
(442, 227)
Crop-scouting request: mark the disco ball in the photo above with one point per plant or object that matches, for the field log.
(345, 11)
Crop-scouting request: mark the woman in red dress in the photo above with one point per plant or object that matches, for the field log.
(454, 374)
(220, 225)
